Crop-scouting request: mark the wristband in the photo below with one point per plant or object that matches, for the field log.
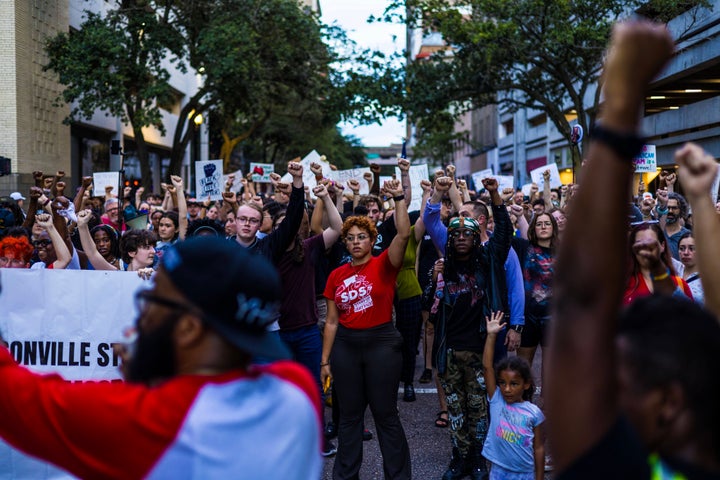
(324, 364)
(625, 145)
(399, 198)
(45, 203)
(660, 211)
(662, 276)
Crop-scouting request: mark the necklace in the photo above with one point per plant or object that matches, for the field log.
(359, 268)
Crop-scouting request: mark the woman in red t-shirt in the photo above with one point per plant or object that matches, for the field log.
(640, 282)
(363, 345)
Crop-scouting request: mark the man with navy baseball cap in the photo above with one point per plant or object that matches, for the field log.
(192, 406)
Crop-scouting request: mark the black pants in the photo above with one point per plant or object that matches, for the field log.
(408, 321)
(366, 370)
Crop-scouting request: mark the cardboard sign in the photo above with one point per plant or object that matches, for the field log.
(104, 179)
(208, 179)
(308, 175)
(417, 174)
(504, 181)
(646, 162)
(342, 177)
(237, 182)
(261, 172)
(537, 176)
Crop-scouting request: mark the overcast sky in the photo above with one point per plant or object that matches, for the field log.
(352, 15)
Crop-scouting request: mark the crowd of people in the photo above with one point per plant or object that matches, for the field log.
(353, 286)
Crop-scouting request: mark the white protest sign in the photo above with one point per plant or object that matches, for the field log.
(526, 189)
(261, 172)
(68, 328)
(308, 175)
(478, 176)
(342, 177)
(208, 179)
(646, 161)
(537, 176)
(505, 181)
(417, 174)
(237, 181)
(104, 179)
(714, 190)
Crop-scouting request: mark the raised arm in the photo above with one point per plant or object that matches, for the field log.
(281, 238)
(494, 326)
(404, 166)
(332, 233)
(431, 216)
(697, 173)
(78, 200)
(396, 250)
(547, 194)
(62, 252)
(182, 205)
(593, 252)
(88, 244)
(453, 191)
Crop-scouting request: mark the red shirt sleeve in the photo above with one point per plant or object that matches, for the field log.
(91, 429)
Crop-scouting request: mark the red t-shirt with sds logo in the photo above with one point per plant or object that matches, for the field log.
(363, 294)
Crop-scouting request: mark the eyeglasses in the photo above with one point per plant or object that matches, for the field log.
(644, 222)
(144, 298)
(13, 262)
(41, 243)
(543, 224)
(251, 221)
(360, 237)
(462, 233)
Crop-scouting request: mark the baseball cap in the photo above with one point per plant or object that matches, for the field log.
(17, 196)
(239, 292)
(464, 222)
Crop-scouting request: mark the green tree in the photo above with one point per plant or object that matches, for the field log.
(115, 63)
(544, 55)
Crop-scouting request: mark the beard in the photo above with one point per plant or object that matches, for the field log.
(671, 218)
(154, 356)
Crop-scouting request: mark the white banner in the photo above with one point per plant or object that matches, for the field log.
(208, 180)
(64, 322)
(504, 181)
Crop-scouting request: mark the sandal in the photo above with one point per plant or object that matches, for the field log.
(441, 422)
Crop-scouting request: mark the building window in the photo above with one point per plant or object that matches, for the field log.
(537, 120)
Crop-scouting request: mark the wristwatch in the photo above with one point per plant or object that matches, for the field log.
(517, 328)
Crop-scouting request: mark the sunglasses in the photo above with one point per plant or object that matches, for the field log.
(464, 233)
(41, 243)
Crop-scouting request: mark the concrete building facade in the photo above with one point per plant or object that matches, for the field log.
(33, 135)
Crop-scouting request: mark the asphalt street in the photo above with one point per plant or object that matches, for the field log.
(429, 445)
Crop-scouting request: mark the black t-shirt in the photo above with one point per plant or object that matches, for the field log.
(466, 295)
(620, 455)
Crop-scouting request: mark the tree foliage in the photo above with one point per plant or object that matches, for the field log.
(538, 54)
(270, 72)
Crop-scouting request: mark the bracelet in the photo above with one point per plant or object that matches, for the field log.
(45, 203)
(399, 198)
(625, 145)
(661, 277)
(324, 364)
(662, 212)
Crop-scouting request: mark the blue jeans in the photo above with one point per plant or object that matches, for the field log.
(305, 344)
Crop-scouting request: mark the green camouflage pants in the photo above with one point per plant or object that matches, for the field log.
(464, 386)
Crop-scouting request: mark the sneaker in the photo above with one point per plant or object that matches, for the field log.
(367, 435)
(426, 376)
(457, 469)
(328, 449)
(409, 393)
(330, 430)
